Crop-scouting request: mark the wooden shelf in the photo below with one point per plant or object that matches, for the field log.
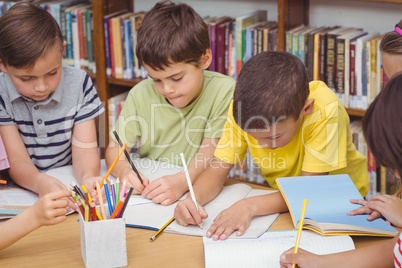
(124, 82)
(355, 112)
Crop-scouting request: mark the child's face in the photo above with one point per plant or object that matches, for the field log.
(37, 83)
(180, 83)
(278, 135)
(392, 63)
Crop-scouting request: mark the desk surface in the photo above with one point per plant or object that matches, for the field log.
(59, 246)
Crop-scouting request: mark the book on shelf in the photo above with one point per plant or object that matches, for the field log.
(342, 65)
(328, 204)
(319, 54)
(289, 38)
(217, 35)
(266, 250)
(242, 22)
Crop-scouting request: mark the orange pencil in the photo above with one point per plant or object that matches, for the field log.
(117, 209)
(113, 164)
(3, 182)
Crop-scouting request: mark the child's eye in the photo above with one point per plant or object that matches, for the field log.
(25, 79)
(53, 73)
(177, 79)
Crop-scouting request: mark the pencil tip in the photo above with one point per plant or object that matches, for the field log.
(152, 238)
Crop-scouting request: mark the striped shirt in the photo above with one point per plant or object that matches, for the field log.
(46, 126)
(398, 253)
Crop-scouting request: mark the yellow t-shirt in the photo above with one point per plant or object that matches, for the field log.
(322, 144)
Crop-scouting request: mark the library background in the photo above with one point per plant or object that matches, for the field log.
(338, 41)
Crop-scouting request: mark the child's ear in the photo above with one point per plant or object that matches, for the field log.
(206, 59)
(308, 107)
(3, 68)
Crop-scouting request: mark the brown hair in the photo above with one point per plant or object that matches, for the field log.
(27, 32)
(271, 85)
(392, 42)
(171, 33)
(382, 127)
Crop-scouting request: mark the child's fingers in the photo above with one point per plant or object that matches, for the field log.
(59, 194)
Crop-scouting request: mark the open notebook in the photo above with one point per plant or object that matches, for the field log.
(265, 251)
(154, 216)
(328, 204)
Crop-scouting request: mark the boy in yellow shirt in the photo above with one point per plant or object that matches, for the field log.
(291, 128)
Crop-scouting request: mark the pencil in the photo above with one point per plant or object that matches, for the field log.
(128, 157)
(116, 210)
(86, 209)
(90, 201)
(102, 206)
(109, 203)
(190, 186)
(117, 190)
(3, 182)
(126, 202)
(123, 148)
(160, 230)
(123, 189)
(93, 212)
(299, 229)
(112, 190)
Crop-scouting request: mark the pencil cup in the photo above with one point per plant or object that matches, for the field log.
(103, 243)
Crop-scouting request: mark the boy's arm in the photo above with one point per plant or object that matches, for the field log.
(376, 255)
(85, 156)
(168, 189)
(49, 209)
(22, 170)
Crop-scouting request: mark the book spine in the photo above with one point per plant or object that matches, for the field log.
(316, 68)
(265, 37)
(107, 47)
(117, 44)
(89, 39)
(69, 39)
(340, 67)
(85, 37)
(373, 76)
(123, 48)
(80, 39)
(220, 48)
(212, 30)
(331, 57)
(310, 56)
(75, 39)
(63, 27)
(323, 58)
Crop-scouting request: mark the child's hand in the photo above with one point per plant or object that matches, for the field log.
(167, 189)
(90, 185)
(387, 206)
(302, 259)
(51, 208)
(52, 185)
(186, 213)
(132, 180)
(237, 217)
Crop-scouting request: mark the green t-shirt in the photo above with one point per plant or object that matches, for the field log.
(165, 131)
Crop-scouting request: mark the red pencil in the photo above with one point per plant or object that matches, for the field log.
(117, 209)
(93, 212)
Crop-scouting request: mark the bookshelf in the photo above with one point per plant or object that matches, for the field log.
(290, 14)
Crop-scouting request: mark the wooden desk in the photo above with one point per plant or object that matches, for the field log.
(59, 246)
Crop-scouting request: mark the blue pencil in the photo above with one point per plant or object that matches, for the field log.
(109, 204)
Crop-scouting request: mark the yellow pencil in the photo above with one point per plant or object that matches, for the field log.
(113, 164)
(299, 229)
(161, 229)
(86, 209)
(90, 201)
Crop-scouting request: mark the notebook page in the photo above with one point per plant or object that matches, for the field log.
(265, 251)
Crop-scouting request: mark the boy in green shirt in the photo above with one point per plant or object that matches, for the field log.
(180, 109)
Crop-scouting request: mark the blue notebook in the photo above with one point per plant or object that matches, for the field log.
(328, 204)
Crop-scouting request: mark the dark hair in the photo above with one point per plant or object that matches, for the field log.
(171, 33)
(392, 42)
(271, 85)
(27, 32)
(382, 126)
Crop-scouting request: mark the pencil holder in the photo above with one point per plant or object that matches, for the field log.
(103, 243)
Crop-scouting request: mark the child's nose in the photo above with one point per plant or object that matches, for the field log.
(168, 89)
(41, 85)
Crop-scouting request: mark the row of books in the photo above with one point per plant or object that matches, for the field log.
(347, 59)
(233, 42)
(75, 20)
(236, 40)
